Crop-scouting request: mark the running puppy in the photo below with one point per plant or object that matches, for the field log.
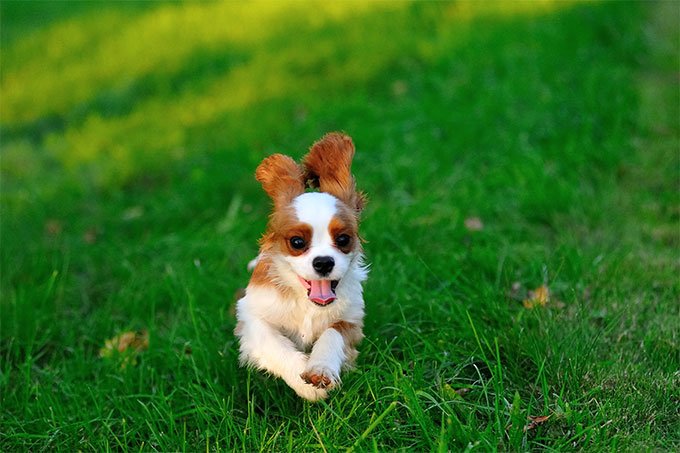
(302, 315)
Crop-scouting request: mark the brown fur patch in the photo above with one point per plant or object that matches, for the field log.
(349, 331)
(281, 178)
(283, 226)
(345, 222)
(261, 274)
(301, 230)
(328, 166)
(352, 335)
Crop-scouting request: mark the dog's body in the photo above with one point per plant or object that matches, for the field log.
(302, 315)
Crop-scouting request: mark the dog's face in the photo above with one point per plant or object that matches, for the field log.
(320, 243)
(314, 233)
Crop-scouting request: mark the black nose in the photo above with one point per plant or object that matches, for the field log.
(323, 265)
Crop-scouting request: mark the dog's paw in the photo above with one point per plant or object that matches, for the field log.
(320, 377)
(317, 380)
(311, 393)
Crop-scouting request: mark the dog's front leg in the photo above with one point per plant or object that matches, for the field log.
(333, 350)
(266, 348)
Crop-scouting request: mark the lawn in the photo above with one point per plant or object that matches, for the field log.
(522, 161)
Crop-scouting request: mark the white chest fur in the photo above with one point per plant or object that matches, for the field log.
(297, 317)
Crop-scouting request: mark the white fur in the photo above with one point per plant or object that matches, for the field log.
(328, 355)
(276, 329)
(252, 263)
(317, 210)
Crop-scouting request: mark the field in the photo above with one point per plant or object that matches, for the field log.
(522, 161)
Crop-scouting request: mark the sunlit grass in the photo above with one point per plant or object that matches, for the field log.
(70, 61)
(94, 79)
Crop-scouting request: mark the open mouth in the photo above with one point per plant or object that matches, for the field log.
(321, 292)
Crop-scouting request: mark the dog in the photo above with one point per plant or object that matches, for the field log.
(301, 317)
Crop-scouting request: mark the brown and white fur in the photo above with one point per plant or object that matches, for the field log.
(302, 315)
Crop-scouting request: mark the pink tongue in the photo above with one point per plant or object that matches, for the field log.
(321, 292)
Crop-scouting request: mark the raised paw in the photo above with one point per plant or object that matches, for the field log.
(317, 380)
(320, 378)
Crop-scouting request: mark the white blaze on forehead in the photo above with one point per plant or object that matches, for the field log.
(315, 208)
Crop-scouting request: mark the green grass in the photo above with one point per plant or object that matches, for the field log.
(130, 134)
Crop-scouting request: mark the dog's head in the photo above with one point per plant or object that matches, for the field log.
(314, 233)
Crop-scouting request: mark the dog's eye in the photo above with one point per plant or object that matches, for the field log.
(342, 240)
(297, 243)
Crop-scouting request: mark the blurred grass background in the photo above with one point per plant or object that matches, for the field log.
(129, 134)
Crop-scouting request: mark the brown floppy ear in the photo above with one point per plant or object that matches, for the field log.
(281, 178)
(328, 166)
